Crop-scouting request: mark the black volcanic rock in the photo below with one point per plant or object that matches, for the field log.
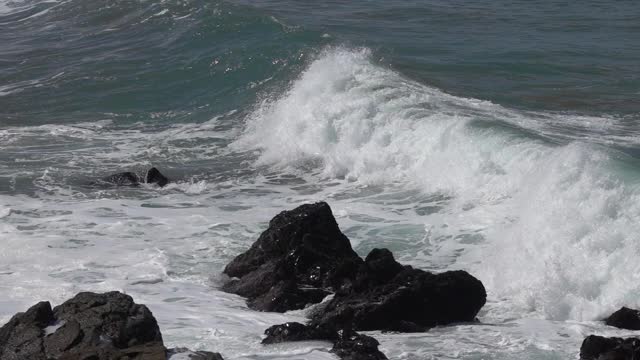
(303, 256)
(88, 326)
(21, 337)
(348, 345)
(287, 295)
(354, 346)
(625, 318)
(152, 176)
(389, 296)
(379, 268)
(98, 326)
(294, 331)
(195, 355)
(301, 253)
(602, 348)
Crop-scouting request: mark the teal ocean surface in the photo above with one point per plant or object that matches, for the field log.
(502, 138)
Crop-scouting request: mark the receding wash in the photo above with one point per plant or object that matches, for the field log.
(501, 138)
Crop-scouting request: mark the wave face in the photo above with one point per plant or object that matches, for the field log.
(539, 211)
(431, 128)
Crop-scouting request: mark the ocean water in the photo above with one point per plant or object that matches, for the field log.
(502, 138)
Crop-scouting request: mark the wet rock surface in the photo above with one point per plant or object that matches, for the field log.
(602, 348)
(298, 260)
(354, 346)
(195, 355)
(294, 331)
(389, 296)
(88, 326)
(625, 318)
(303, 256)
(128, 178)
(346, 344)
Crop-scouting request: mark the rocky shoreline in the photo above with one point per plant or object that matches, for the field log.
(302, 259)
(88, 326)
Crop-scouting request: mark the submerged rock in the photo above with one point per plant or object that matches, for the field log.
(195, 355)
(625, 318)
(346, 344)
(294, 331)
(152, 176)
(88, 326)
(123, 179)
(602, 348)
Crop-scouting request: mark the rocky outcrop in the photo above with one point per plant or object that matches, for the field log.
(346, 344)
(294, 331)
(602, 348)
(389, 296)
(88, 326)
(624, 318)
(386, 296)
(303, 256)
(298, 260)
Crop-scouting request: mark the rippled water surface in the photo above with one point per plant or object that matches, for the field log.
(500, 138)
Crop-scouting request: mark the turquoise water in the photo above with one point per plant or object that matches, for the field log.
(497, 137)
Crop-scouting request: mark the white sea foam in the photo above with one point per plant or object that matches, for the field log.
(550, 228)
(51, 329)
(4, 212)
(547, 222)
(99, 145)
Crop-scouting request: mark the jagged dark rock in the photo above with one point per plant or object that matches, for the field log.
(601, 348)
(21, 337)
(389, 296)
(287, 295)
(99, 326)
(195, 355)
(354, 346)
(303, 256)
(348, 345)
(294, 331)
(88, 326)
(296, 261)
(625, 318)
(152, 176)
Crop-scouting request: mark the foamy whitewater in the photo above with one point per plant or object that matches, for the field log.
(541, 206)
